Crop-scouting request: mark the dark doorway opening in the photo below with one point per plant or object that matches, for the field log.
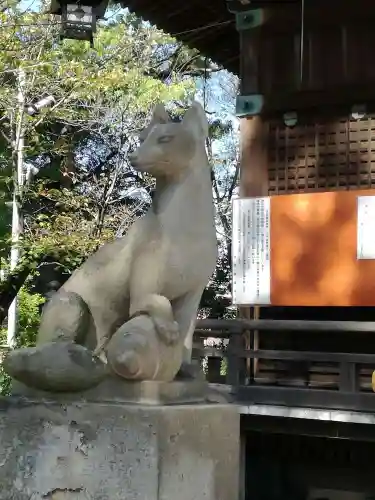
(301, 467)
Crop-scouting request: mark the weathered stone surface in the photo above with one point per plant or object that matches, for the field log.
(74, 325)
(56, 366)
(115, 389)
(136, 352)
(81, 451)
(159, 269)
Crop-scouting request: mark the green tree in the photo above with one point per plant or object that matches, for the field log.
(76, 150)
(28, 323)
(218, 94)
(28, 317)
(82, 190)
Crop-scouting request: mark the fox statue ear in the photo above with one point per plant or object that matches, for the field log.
(159, 115)
(196, 121)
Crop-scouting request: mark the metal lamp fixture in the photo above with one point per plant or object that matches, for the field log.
(358, 111)
(290, 118)
(78, 19)
(78, 22)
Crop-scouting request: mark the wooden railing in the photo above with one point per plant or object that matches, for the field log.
(305, 378)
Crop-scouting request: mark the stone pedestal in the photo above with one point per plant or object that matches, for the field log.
(80, 450)
(114, 389)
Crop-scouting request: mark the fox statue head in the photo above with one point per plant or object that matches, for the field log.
(168, 148)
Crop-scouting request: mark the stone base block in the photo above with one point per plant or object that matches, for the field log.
(115, 451)
(119, 390)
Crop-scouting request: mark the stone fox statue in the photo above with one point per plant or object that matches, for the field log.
(167, 256)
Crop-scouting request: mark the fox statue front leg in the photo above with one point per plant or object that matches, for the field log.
(149, 272)
(185, 311)
(148, 346)
(156, 343)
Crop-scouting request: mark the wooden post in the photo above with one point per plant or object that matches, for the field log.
(253, 150)
(253, 182)
(253, 143)
(254, 158)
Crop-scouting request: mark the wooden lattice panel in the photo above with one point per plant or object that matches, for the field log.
(318, 155)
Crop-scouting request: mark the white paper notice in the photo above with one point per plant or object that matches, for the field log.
(366, 227)
(251, 251)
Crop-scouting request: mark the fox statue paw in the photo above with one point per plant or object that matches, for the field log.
(167, 331)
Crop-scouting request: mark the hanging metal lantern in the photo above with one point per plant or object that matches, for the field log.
(358, 111)
(290, 119)
(78, 19)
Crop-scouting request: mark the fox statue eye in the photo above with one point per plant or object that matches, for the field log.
(165, 138)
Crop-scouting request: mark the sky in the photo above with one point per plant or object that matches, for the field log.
(31, 5)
